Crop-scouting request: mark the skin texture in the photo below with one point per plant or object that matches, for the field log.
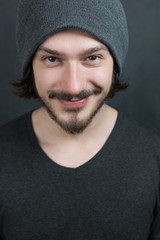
(73, 74)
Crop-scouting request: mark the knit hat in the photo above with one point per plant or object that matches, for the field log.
(38, 19)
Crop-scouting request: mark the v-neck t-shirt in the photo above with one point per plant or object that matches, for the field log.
(114, 195)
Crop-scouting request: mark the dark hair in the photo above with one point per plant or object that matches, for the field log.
(117, 85)
(25, 88)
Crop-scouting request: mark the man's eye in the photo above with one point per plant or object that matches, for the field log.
(93, 58)
(51, 59)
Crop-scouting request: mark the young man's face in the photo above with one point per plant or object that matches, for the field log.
(73, 74)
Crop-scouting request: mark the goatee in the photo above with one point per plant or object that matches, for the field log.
(74, 126)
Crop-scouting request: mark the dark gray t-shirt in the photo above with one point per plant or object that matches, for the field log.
(114, 196)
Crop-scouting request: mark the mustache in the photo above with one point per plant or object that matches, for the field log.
(68, 97)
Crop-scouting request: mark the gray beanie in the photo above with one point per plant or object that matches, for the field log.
(38, 19)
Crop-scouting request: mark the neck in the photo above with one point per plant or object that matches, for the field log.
(52, 139)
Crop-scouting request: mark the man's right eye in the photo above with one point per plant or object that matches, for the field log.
(51, 59)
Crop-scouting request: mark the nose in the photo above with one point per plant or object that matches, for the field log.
(73, 79)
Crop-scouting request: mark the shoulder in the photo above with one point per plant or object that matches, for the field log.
(14, 126)
(14, 132)
(137, 143)
(15, 152)
(135, 130)
(15, 145)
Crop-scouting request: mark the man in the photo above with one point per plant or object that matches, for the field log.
(76, 168)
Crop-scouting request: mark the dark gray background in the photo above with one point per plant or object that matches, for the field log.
(142, 70)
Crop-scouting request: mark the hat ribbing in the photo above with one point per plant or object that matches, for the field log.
(38, 19)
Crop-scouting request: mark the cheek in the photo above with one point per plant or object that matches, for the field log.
(102, 77)
(44, 80)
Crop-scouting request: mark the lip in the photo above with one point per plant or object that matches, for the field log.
(74, 103)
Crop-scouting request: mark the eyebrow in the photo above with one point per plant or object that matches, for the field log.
(86, 52)
(94, 50)
(50, 51)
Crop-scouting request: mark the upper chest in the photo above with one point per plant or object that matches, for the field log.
(103, 202)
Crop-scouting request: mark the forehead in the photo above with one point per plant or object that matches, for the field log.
(73, 38)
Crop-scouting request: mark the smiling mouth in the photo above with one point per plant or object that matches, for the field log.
(74, 102)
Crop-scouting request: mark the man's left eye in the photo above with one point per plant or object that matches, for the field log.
(92, 58)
